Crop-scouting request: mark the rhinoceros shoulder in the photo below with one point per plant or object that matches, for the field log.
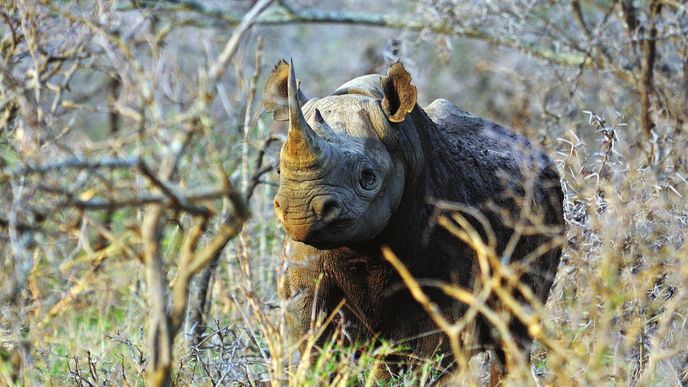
(442, 111)
(474, 131)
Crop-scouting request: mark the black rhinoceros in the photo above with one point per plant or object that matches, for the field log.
(366, 167)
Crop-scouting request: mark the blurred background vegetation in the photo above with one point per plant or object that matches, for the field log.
(137, 235)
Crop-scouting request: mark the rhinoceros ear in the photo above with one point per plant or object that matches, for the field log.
(275, 93)
(399, 94)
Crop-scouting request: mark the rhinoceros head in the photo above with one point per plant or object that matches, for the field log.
(339, 179)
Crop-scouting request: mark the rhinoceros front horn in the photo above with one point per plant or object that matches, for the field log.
(303, 145)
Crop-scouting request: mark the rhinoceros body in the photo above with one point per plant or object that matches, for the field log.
(367, 167)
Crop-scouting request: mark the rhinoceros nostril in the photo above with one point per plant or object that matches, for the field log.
(327, 208)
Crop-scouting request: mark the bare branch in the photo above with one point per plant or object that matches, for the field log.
(218, 67)
(291, 15)
(259, 169)
(177, 201)
(648, 64)
(78, 164)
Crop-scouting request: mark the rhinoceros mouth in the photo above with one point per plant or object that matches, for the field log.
(330, 235)
(308, 229)
(339, 224)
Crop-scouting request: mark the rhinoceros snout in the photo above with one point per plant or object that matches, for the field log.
(326, 208)
(301, 222)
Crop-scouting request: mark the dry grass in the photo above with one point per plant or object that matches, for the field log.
(75, 306)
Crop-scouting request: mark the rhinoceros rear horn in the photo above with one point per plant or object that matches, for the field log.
(399, 94)
(275, 94)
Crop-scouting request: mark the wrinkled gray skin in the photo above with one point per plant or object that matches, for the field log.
(364, 167)
(326, 205)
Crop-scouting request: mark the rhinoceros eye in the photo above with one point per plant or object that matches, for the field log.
(368, 179)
